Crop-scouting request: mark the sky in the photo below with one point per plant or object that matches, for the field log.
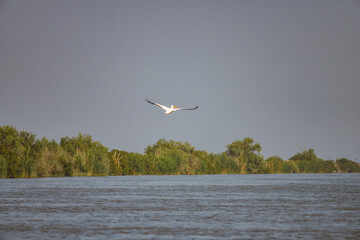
(285, 73)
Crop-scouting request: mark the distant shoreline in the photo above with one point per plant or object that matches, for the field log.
(22, 155)
(139, 175)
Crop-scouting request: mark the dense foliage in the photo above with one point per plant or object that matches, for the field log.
(23, 155)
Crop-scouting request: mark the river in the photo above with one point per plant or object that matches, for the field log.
(277, 206)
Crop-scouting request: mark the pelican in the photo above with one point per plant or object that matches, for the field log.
(171, 109)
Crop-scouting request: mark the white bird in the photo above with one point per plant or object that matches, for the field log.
(171, 109)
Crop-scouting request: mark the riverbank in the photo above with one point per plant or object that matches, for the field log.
(23, 155)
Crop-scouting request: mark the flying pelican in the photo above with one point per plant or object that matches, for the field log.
(171, 109)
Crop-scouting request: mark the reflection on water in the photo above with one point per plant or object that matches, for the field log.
(295, 206)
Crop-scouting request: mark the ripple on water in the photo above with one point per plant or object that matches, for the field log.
(299, 206)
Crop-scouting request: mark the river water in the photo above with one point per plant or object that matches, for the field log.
(284, 206)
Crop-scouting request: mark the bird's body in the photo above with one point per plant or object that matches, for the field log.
(171, 109)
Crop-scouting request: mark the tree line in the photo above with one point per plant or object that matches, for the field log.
(23, 155)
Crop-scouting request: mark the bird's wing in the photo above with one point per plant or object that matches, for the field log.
(156, 104)
(189, 108)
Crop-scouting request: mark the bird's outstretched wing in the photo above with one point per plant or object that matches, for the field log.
(156, 104)
(189, 108)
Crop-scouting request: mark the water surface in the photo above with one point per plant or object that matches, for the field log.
(286, 206)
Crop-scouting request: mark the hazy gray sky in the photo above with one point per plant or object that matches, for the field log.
(286, 73)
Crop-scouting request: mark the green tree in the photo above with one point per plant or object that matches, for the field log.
(19, 150)
(290, 167)
(329, 167)
(274, 164)
(118, 162)
(53, 161)
(28, 154)
(90, 157)
(11, 150)
(247, 153)
(228, 165)
(3, 167)
(99, 162)
(137, 163)
(170, 157)
(308, 155)
(308, 162)
(347, 166)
